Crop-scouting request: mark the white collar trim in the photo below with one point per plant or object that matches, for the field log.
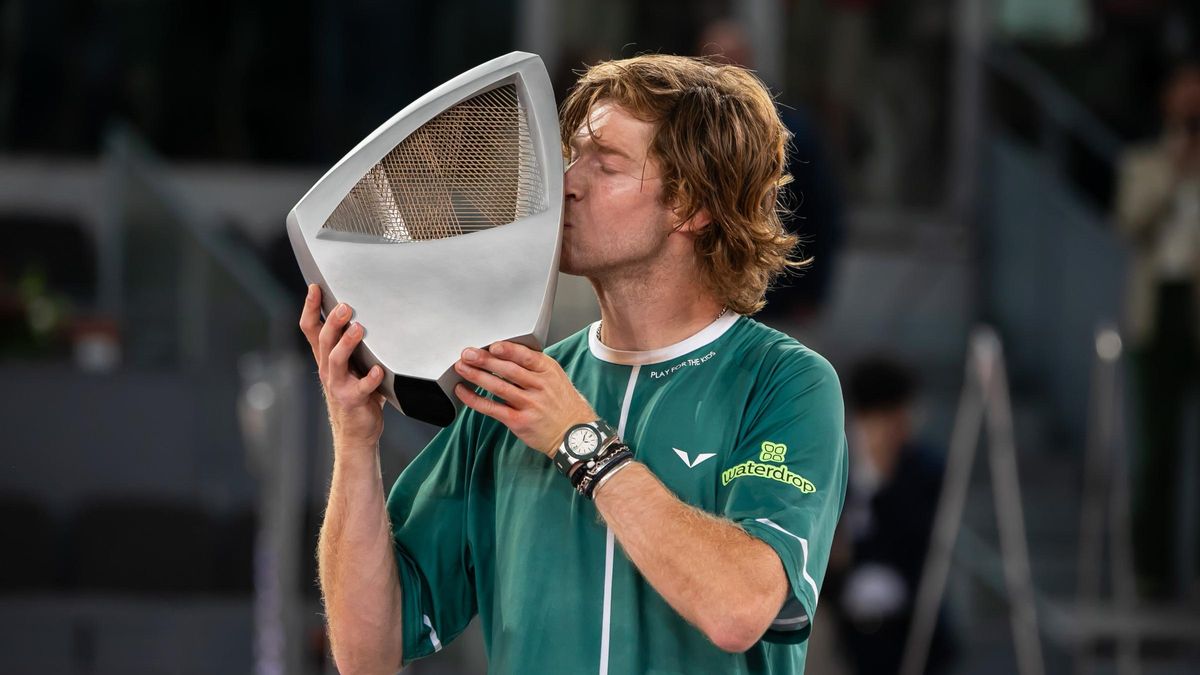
(706, 335)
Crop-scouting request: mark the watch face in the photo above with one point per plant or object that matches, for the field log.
(582, 442)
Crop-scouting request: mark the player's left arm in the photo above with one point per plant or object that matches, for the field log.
(729, 584)
(725, 582)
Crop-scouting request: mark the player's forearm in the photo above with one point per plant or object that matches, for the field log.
(725, 582)
(357, 570)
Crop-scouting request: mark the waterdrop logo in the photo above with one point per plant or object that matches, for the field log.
(772, 452)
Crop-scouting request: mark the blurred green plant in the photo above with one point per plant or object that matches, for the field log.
(34, 317)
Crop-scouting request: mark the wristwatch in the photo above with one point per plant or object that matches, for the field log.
(581, 444)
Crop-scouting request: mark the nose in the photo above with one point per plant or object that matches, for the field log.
(572, 187)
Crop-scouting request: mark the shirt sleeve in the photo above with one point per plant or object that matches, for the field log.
(428, 511)
(785, 480)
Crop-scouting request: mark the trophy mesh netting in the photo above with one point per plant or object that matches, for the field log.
(469, 168)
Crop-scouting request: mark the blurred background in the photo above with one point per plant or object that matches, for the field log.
(1028, 166)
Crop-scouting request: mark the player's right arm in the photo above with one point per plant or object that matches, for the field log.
(356, 564)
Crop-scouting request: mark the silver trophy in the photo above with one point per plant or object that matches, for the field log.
(443, 229)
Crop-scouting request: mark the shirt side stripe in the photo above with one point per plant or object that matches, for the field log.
(633, 373)
(610, 544)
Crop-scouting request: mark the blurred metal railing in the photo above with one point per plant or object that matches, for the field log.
(189, 295)
(1079, 624)
(1106, 503)
(157, 236)
(1061, 116)
(1064, 127)
(1052, 267)
(1106, 518)
(984, 407)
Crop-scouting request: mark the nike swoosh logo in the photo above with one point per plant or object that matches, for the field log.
(699, 458)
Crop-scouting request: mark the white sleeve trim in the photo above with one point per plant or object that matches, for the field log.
(433, 638)
(793, 616)
(804, 550)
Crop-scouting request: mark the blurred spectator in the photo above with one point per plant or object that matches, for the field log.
(884, 533)
(813, 198)
(1158, 210)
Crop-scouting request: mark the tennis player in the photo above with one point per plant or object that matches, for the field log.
(654, 494)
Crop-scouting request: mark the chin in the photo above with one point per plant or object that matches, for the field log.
(566, 267)
(569, 258)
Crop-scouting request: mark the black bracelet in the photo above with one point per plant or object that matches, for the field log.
(592, 474)
(612, 470)
(613, 446)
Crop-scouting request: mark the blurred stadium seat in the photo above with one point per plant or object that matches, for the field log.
(143, 545)
(30, 560)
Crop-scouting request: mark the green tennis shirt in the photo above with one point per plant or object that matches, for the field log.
(739, 420)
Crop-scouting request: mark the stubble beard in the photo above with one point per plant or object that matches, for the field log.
(627, 262)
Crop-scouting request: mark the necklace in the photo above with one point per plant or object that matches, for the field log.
(600, 324)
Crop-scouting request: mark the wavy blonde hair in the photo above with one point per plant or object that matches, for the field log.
(722, 148)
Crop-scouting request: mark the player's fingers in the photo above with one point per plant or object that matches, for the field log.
(519, 354)
(339, 357)
(310, 317)
(509, 370)
(482, 404)
(504, 389)
(331, 332)
(371, 381)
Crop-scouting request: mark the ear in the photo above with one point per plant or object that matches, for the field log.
(699, 220)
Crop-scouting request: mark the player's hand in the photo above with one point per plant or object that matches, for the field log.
(355, 407)
(536, 399)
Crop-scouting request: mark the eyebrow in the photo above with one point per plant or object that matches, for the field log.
(602, 148)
